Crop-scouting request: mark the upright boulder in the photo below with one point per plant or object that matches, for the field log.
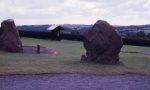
(102, 44)
(9, 37)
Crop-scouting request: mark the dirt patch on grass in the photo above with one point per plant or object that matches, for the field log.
(34, 50)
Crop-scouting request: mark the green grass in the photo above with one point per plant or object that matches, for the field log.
(68, 60)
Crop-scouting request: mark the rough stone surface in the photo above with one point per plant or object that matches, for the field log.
(9, 37)
(102, 44)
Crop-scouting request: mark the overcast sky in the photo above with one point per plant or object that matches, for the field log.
(116, 12)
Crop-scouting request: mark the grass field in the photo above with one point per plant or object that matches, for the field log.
(68, 60)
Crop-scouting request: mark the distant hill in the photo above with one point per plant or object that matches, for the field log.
(133, 27)
(124, 31)
(81, 27)
(66, 27)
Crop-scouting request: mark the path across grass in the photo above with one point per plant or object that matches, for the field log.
(74, 82)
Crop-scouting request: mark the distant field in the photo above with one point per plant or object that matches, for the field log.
(68, 60)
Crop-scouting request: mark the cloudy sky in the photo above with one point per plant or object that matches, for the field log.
(116, 12)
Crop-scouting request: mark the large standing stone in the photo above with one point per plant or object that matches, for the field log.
(102, 44)
(9, 37)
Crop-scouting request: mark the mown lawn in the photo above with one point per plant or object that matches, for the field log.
(68, 60)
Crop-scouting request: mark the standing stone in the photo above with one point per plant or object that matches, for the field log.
(102, 44)
(9, 37)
